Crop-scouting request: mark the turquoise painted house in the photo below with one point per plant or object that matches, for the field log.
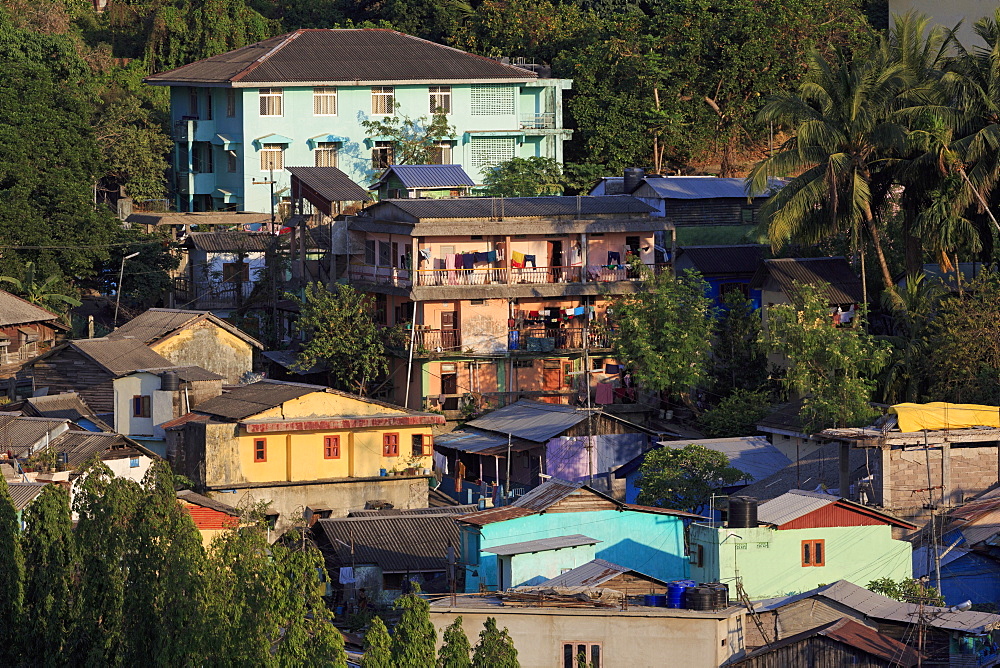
(803, 540)
(560, 525)
(298, 100)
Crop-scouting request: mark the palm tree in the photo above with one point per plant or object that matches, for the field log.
(43, 293)
(842, 116)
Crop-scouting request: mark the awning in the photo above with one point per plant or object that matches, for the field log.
(225, 195)
(225, 142)
(30, 334)
(480, 443)
(326, 138)
(469, 134)
(273, 138)
(370, 141)
(939, 415)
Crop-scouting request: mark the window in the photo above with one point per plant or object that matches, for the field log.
(260, 449)
(331, 447)
(324, 101)
(272, 156)
(381, 309)
(270, 101)
(208, 104)
(140, 406)
(192, 101)
(133, 462)
(204, 162)
(384, 254)
(369, 251)
(230, 103)
(390, 445)
(440, 99)
(383, 154)
(748, 214)
(235, 272)
(383, 100)
(492, 100)
(326, 154)
(231, 161)
(440, 153)
(524, 364)
(696, 555)
(590, 651)
(418, 445)
(814, 553)
(489, 151)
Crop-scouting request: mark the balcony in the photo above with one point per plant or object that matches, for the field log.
(366, 273)
(184, 130)
(437, 340)
(548, 339)
(542, 121)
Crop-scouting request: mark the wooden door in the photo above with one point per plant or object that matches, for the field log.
(449, 330)
(551, 379)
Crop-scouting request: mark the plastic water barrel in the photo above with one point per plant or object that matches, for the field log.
(742, 512)
(659, 600)
(649, 600)
(699, 598)
(675, 595)
(720, 594)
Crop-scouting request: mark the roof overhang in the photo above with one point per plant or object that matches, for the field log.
(225, 142)
(340, 423)
(273, 138)
(326, 138)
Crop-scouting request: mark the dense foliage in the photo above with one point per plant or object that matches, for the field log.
(455, 651)
(684, 478)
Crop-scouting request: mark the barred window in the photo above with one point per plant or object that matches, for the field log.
(383, 100)
(440, 99)
(270, 101)
(489, 151)
(324, 101)
(492, 100)
(192, 101)
(440, 153)
(272, 156)
(383, 154)
(230, 103)
(326, 154)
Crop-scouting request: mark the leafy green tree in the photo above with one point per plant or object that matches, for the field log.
(105, 505)
(47, 292)
(341, 335)
(831, 368)
(738, 414)
(912, 310)
(414, 638)
(739, 360)
(663, 333)
(147, 276)
(12, 575)
(495, 648)
(378, 646)
(456, 650)
(684, 478)
(908, 590)
(413, 141)
(50, 568)
(523, 177)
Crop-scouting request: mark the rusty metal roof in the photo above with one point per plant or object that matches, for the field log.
(491, 515)
(231, 242)
(549, 493)
(542, 545)
(833, 275)
(348, 56)
(16, 311)
(396, 512)
(205, 502)
(593, 574)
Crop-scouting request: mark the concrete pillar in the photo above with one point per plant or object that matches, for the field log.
(946, 500)
(584, 257)
(845, 470)
(885, 489)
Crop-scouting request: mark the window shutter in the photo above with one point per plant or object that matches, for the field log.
(492, 101)
(489, 151)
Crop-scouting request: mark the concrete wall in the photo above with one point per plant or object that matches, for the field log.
(770, 561)
(212, 348)
(138, 384)
(650, 543)
(639, 638)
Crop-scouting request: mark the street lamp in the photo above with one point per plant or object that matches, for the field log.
(121, 277)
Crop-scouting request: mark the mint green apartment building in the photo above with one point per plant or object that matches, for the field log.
(802, 540)
(298, 100)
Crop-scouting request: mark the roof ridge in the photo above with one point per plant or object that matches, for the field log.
(289, 37)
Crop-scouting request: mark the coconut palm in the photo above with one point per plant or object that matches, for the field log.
(46, 292)
(845, 132)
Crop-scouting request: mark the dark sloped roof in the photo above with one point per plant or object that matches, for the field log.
(481, 442)
(16, 311)
(350, 56)
(853, 634)
(592, 574)
(247, 400)
(833, 274)
(817, 470)
(199, 500)
(396, 512)
(120, 356)
(331, 184)
(396, 544)
(698, 187)
(231, 242)
(530, 420)
(797, 503)
(784, 418)
(199, 218)
(513, 207)
(428, 176)
(156, 323)
(18, 432)
(542, 545)
(549, 493)
(66, 406)
(23, 493)
(727, 260)
(491, 515)
(79, 446)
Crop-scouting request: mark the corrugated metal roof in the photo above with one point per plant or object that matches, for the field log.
(721, 260)
(480, 442)
(542, 544)
(877, 606)
(834, 275)
(231, 242)
(200, 218)
(156, 323)
(851, 633)
(120, 356)
(23, 493)
(398, 544)
(80, 446)
(342, 55)
(817, 470)
(492, 515)
(66, 406)
(592, 574)
(247, 400)
(530, 420)
(17, 433)
(696, 187)
(437, 510)
(792, 505)
(513, 207)
(428, 176)
(16, 311)
(785, 418)
(205, 502)
(753, 455)
(549, 493)
(331, 184)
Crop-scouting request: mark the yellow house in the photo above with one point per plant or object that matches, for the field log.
(285, 441)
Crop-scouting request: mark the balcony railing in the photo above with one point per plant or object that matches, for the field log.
(498, 275)
(437, 340)
(386, 275)
(546, 339)
(541, 121)
(483, 276)
(23, 354)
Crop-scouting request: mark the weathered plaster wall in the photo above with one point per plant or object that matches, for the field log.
(210, 347)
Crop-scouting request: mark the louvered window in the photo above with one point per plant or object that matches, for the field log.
(326, 154)
(492, 100)
(489, 151)
(270, 101)
(383, 100)
(440, 99)
(272, 156)
(324, 101)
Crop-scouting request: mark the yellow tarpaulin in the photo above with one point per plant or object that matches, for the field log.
(940, 415)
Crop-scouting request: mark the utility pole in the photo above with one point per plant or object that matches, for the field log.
(586, 388)
(274, 269)
(121, 278)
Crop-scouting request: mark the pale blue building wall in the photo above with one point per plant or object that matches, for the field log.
(647, 542)
(536, 103)
(534, 567)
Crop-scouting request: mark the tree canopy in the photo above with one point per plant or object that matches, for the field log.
(684, 478)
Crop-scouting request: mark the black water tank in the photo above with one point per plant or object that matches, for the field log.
(720, 599)
(170, 382)
(633, 179)
(742, 512)
(699, 598)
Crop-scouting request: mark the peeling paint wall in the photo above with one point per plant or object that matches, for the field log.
(212, 348)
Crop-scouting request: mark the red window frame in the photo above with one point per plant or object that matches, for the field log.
(390, 444)
(814, 552)
(141, 406)
(260, 449)
(331, 447)
(419, 444)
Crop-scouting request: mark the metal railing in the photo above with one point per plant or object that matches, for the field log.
(544, 339)
(483, 276)
(545, 275)
(540, 121)
(497, 275)
(437, 340)
(385, 275)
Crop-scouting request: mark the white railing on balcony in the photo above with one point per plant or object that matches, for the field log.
(497, 275)
(485, 276)
(382, 275)
(541, 121)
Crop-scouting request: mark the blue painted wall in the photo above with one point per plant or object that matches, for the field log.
(647, 542)
(973, 578)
